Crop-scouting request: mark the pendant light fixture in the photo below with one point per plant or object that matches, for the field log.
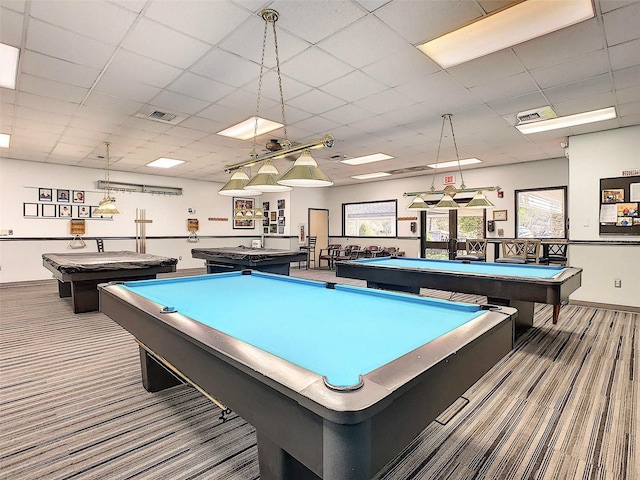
(108, 204)
(305, 171)
(447, 201)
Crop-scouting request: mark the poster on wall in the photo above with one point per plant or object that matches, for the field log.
(240, 207)
(619, 206)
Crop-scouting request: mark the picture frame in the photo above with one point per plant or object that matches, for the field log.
(30, 209)
(78, 196)
(242, 203)
(612, 195)
(281, 204)
(45, 195)
(83, 211)
(62, 195)
(64, 211)
(281, 221)
(48, 210)
(273, 217)
(499, 215)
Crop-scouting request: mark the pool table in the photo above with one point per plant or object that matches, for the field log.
(336, 379)
(515, 285)
(227, 259)
(79, 274)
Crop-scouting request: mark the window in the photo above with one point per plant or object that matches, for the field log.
(541, 213)
(370, 219)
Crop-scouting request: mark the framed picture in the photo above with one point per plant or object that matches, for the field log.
(273, 228)
(45, 194)
(499, 215)
(48, 210)
(613, 195)
(302, 236)
(265, 206)
(241, 204)
(63, 195)
(280, 204)
(84, 211)
(64, 211)
(281, 213)
(281, 222)
(30, 209)
(273, 217)
(265, 230)
(78, 196)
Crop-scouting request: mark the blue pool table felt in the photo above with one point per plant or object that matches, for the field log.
(339, 333)
(482, 268)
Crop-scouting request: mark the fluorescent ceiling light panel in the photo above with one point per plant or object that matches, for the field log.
(376, 157)
(454, 163)
(247, 129)
(164, 163)
(568, 121)
(5, 138)
(525, 21)
(8, 66)
(366, 176)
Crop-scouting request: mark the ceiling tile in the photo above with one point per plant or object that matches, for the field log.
(316, 101)
(207, 21)
(582, 89)
(314, 20)
(621, 25)
(178, 103)
(10, 27)
(128, 66)
(200, 87)
(496, 66)
(347, 114)
(385, 101)
(47, 104)
(112, 84)
(331, 68)
(401, 66)
(58, 70)
(98, 20)
(150, 39)
(49, 88)
(354, 86)
(590, 65)
(59, 43)
(227, 68)
(625, 55)
(556, 47)
(347, 44)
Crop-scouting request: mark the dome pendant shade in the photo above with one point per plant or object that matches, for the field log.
(479, 200)
(305, 173)
(446, 203)
(266, 180)
(107, 207)
(236, 186)
(418, 204)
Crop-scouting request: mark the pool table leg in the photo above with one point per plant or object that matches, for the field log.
(278, 464)
(154, 376)
(556, 313)
(346, 450)
(525, 313)
(64, 289)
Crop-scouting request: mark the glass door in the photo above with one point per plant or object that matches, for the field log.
(444, 232)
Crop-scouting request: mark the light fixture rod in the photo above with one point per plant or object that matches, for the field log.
(326, 141)
(452, 191)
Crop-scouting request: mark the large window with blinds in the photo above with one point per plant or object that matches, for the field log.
(370, 219)
(541, 213)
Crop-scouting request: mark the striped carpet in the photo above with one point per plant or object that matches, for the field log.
(564, 404)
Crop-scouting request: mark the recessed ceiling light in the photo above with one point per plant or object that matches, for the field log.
(524, 21)
(375, 157)
(366, 176)
(568, 121)
(454, 163)
(164, 163)
(8, 66)
(247, 129)
(5, 138)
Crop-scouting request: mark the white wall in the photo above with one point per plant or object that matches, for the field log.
(543, 173)
(19, 183)
(592, 157)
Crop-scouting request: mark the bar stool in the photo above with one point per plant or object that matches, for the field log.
(310, 248)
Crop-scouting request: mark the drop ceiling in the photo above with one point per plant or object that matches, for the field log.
(90, 72)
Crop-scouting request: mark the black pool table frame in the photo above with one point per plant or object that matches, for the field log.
(80, 280)
(518, 292)
(228, 259)
(306, 430)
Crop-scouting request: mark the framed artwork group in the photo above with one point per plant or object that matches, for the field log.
(61, 203)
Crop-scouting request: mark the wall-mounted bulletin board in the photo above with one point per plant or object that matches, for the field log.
(619, 205)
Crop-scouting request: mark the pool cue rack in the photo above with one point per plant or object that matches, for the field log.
(141, 230)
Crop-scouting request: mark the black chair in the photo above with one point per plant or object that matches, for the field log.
(350, 252)
(310, 248)
(556, 253)
(100, 244)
